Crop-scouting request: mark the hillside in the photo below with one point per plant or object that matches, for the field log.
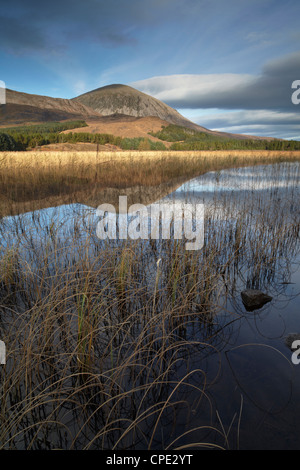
(117, 109)
(18, 114)
(47, 102)
(122, 99)
(124, 126)
(21, 108)
(125, 100)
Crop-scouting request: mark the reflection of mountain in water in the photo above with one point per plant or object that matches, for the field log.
(96, 195)
(223, 193)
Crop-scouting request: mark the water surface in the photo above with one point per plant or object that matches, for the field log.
(238, 359)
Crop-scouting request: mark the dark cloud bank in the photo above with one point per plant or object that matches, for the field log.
(269, 90)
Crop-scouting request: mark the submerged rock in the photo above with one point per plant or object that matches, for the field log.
(289, 340)
(254, 299)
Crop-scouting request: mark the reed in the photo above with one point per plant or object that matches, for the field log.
(32, 180)
(106, 342)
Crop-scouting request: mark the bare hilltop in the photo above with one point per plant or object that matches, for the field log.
(116, 109)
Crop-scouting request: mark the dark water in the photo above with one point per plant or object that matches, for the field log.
(255, 385)
(242, 388)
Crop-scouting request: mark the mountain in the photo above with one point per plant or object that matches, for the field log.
(21, 108)
(122, 99)
(117, 109)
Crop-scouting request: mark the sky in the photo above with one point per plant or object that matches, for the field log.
(227, 66)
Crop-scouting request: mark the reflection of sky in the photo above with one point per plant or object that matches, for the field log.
(44, 224)
(213, 187)
(242, 179)
(226, 193)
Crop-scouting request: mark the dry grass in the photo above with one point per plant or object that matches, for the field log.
(35, 159)
(130, 127)
(30, 179)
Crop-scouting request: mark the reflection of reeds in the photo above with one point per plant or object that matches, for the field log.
(105, 342)
(30, 180)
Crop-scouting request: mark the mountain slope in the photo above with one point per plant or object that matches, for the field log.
(24, 107)
(120, 102)
(16, 114)
(122, 99)
(125, 100)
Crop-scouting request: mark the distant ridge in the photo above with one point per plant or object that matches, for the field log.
(118, 102)
(23, 107)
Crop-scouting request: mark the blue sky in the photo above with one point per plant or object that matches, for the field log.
(225, 65)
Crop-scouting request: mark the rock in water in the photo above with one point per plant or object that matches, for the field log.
(254, 299)
(290, 339)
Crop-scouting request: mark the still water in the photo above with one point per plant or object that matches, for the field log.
(257, 387)
(242, 388)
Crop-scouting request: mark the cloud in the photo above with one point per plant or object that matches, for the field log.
(19, 37)
(269, 90)
(251, 104)
(254, 122)
(32, 27)
(196, 91)
(252, 118)
(80, 87)
(35, 26)
(276, 132)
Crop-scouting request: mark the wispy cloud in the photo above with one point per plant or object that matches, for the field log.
(254, 122)
(251, 118)
(259, 104)
(269, 90)
(196, 54)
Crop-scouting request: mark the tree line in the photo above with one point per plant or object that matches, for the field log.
(31, 136)
(236, 144)
(24, 137)
(189, 139)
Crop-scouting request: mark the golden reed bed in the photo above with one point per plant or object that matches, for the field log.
(36, 179)
(37, 158)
